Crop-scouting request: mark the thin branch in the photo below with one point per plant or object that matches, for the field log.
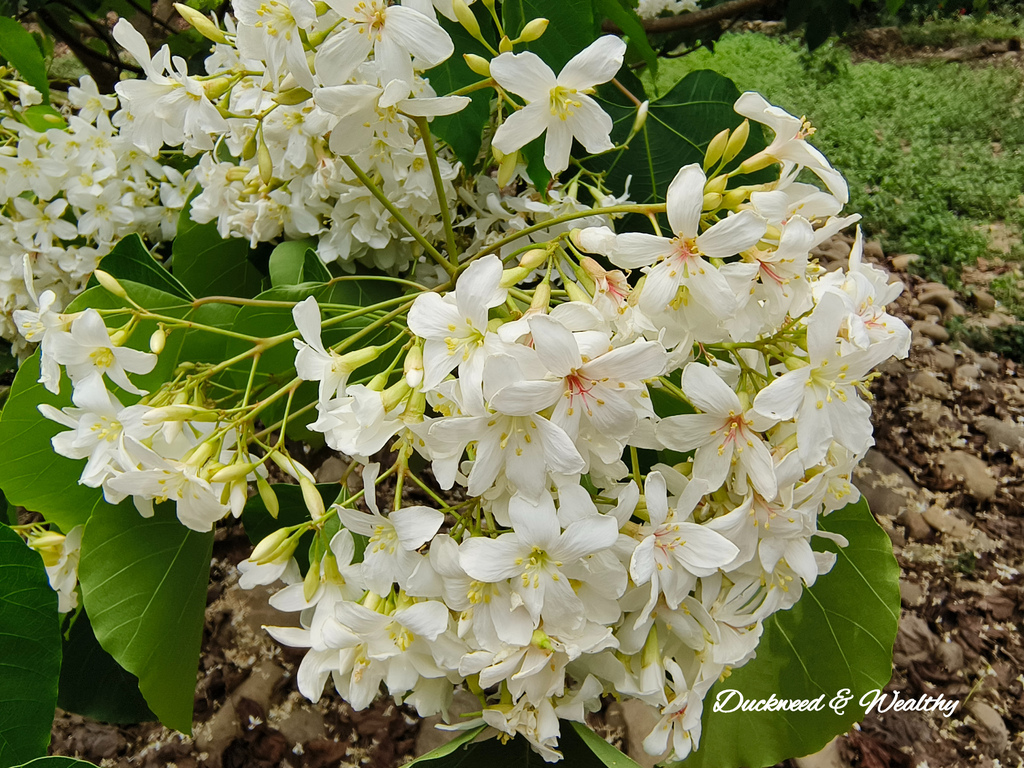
(693, 19)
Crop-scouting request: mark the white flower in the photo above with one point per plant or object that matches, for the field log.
(533, 557)
(789, 143)
(681, 261)
(559, 105)
(88, 351)
(269, 30)
(394, 33)
(725, 434)
(63, 574)
(391, 552)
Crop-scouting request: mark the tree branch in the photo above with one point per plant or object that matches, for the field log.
(693, 19)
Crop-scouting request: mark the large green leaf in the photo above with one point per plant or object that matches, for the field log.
(679, 126)
(288, 263)
(605, 752)
(93, 684)
(623, 15)
(131, 260)
(572, 27)
(839, 635)
(210, 265)
(22, 53)
(144, 586)
(29, 651)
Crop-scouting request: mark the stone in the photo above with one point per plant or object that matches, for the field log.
(640, 721)
(928, 384)
(331, 471)
(301, 725)
(932, 331)
(972, 472)
(886, 486)
(911, 593)
(950, 655)
(902, 261)
(968, 371)
(990, 726)
(215, 734)
(952, 309)
(985, 301)
(1003, 434)
(988, 365)
(941, 359)
(873, 250)
(938, 294)
(945, 523)
(913, 521)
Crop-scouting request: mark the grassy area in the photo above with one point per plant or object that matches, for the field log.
(934, 153)
(963, 30)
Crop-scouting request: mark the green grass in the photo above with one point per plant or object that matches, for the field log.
(933, 153)
(963, 30)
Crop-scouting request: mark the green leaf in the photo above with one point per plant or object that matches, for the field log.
(93, 684)
(605, 752)
(287, 262)
(839, 635)
(43, 117)
(679, 126)
(131, 260)
(56, 762)
(209, 265)
(313, 269)
(446, 749)
(34, 476)
(22, 53)
(144, 587)
(623, 15)
(572, 27)
(29, 651)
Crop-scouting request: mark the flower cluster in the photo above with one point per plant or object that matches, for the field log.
(67, 195)
(630, 435)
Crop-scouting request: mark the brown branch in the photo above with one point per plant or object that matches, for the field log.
(693, 19)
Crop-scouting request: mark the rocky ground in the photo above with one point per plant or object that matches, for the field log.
(945, 480)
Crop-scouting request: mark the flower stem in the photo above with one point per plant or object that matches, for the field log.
(435, 170)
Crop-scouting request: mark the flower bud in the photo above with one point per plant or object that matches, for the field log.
(178, 412)
(266, 163)
(395, 394)
(717, 184)
(533, 258)
(711, 201)
(311, 583)
(248, 153)
(201, 454)
(541, 640)
(270, 546)
(200, 23)
(49, 545)
(233, 472)
(331, 573)
(507, 167)
(640, 120)
(413, 366)
(532, 31)
(737, 141)
(478, 64)
(505, 46)
(157, 341)
(217, 87)
(312, 498)
(292, 97)
(576, 293)
(541, 297)
(733, 198)
(268, 496)
(514, 276)
(109, 282)
(756, 163)
(716, 148)
(466, 18)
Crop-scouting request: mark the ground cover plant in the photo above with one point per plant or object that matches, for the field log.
(467, 249)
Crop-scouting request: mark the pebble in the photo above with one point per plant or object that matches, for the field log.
(302, 725)
(1003, 434)
(941, 359)
(988, 365)
(913, 521)
(945, 523)
(873, 250)
(911, 593)
(968, 371)
(972, 472)
(928, 384)
(985, 301)
(991, 727)
(887, 488)
(951, 655)
(902, 261)
(640, 721)
(932, 331)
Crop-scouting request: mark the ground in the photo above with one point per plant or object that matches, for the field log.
(944, 480)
